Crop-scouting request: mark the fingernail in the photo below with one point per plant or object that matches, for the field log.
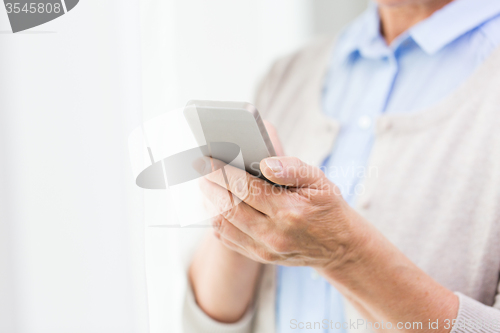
(274, 164)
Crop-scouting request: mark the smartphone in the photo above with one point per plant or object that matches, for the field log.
(216, 123)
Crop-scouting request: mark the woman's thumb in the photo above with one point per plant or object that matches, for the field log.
(290, 171)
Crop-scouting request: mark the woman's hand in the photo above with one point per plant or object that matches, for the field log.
(305, 224)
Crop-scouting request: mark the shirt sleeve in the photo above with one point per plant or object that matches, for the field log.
(475, 317)
(194, 320)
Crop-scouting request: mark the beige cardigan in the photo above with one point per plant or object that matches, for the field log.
(435, 195)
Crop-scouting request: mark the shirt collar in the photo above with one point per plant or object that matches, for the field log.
(362, 36)
(452, 21)
(432, 34)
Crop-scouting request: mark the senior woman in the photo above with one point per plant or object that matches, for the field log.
(401, 230)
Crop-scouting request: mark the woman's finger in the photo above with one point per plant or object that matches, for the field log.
(245, 218)
(258, 193)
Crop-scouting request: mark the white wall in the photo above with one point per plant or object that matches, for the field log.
(71, 233)
(214, 49)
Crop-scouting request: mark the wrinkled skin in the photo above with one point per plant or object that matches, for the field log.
(305, 224)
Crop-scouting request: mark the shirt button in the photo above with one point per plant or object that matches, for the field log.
(364, 122)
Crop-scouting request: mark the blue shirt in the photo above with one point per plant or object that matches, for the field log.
(365, 79)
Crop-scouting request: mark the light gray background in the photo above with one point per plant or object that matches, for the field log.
(329, 16)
